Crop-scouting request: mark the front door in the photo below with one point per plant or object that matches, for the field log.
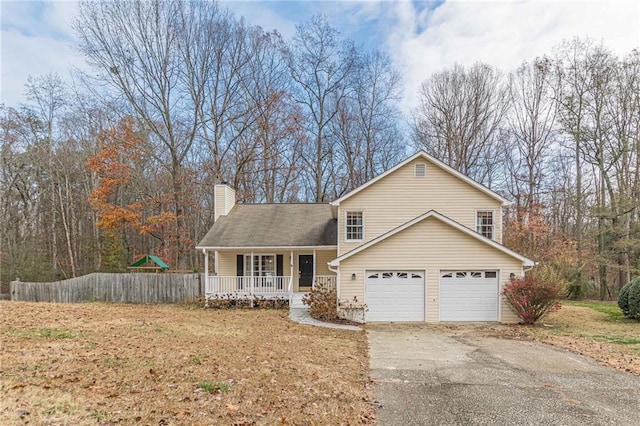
(305, 270)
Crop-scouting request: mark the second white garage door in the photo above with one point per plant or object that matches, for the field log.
(394, 296)
(468, 296)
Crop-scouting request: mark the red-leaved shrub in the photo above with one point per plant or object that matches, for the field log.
(532, 299)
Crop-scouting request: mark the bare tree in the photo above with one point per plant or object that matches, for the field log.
(571, 98)
(136, 49)
(597, 107)
(460, 119)
(532, 128)
(623, 108)
(367, 125)
(272, 141)
(320, 63)
(47, 96)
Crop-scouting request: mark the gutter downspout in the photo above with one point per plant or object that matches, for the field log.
(525, 270)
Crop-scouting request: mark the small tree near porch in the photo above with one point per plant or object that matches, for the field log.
(322, 302)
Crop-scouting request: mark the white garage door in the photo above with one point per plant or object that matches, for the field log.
(394, 295)
(468, 296)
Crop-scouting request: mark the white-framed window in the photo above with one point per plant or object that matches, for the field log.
(484, 223)
(420, 170)
(354, 226)
(264, 265)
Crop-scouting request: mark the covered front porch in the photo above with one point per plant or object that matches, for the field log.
(267, 273)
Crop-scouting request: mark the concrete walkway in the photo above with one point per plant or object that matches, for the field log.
(299, 312)
(301, 316)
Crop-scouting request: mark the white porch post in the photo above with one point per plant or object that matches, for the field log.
(215, 263)
(251, 279)
(291, 274)
(206, 276)
(313, 280)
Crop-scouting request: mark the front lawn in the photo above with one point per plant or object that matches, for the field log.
(596, 329)
(101, 363)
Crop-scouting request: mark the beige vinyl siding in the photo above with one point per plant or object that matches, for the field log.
(224, 199)
(227, 262)
(322, 258)
(432, 246)
(230, 199)
(400, 197)
(219, 203)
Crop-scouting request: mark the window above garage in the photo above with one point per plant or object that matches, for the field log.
(484, 223)
(354, 226)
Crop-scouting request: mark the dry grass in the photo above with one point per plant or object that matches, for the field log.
(594, 329)
(105, 364)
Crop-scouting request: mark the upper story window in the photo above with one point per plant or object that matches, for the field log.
(484, 223)
(354, 229)
(420, 170)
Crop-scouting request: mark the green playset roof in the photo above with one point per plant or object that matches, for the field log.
(150, 258)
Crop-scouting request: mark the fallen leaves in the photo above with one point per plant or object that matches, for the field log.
(117, 367)
(586, 332)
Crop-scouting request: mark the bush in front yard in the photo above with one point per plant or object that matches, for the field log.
(531, 298)
(623, 299)
(629, 299)
(323, 303)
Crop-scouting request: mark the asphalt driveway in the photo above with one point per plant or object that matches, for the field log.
(431, 375)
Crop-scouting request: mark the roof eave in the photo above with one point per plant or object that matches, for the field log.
(308, 247)
(432, 213)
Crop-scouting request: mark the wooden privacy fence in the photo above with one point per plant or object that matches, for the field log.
(117, 288)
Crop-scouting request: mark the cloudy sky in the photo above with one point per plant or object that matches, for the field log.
(419, 36)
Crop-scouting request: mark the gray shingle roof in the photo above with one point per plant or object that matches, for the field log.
(274, 225)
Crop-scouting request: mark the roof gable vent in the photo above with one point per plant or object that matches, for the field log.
(420, 170)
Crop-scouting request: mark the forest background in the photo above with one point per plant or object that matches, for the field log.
(182, 96)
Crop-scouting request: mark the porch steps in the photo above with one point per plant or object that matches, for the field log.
(296, 301)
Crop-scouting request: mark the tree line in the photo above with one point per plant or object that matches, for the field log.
(183, 95)
(560, 136)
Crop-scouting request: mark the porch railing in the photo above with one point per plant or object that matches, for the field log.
(225, 285)
(327, 281)
(235, 286)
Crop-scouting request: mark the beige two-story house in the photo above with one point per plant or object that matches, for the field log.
(420, 242)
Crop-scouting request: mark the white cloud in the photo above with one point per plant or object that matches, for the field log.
(501, 34)
(264, 15)
(36, 39)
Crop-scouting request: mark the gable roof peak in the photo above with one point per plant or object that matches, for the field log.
(423, 154)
